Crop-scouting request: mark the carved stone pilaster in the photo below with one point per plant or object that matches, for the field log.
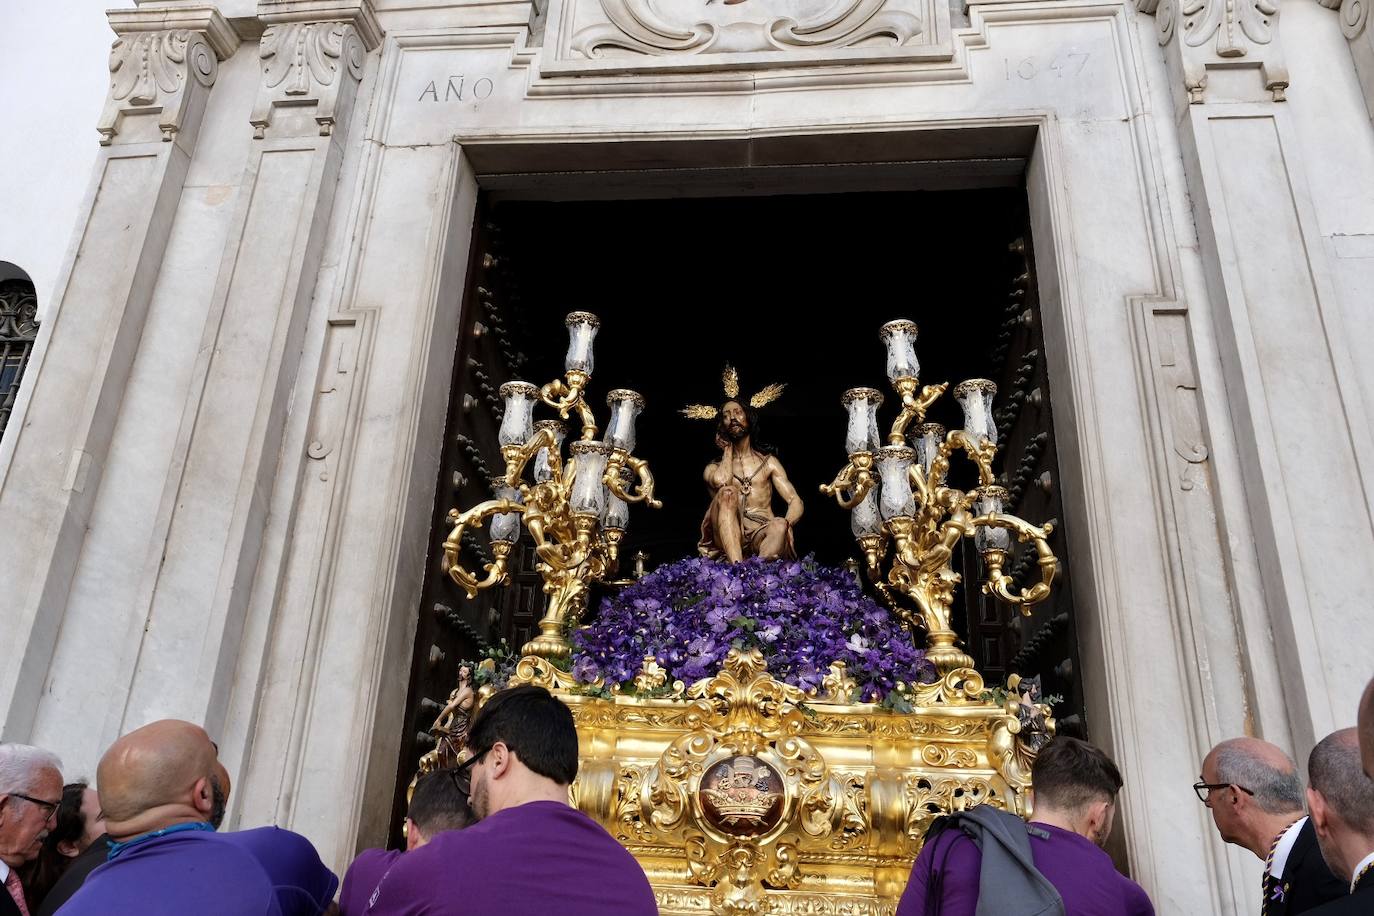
(1355, 27)
(312, 56)
(162, 65)
(1201, 37)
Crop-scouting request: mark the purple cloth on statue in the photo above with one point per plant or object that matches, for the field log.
(531, 860)
(304, 885)
(1082, 873)
(189, 872)
(362, 879)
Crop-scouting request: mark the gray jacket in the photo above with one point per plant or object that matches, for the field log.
(1009, 884)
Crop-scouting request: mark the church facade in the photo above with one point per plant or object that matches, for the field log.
(218, 482)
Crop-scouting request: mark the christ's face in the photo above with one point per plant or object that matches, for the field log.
(734, 422)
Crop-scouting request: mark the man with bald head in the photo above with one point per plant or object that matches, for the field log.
(160, 790)
(1256, 798)
(1341, 797)
(30, 791)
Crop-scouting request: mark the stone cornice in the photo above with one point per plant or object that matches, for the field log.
(204, 18)
(357, 13)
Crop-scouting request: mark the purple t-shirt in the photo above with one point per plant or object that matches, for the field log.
(362, 879)
(185, 872)
(304, 885)
(1081, 872)
(531, 860)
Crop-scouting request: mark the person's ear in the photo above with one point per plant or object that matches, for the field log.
(500, 760)
(1319, 812)
(69, 849)
(415, 837)
(1099, 820)
(203, 796)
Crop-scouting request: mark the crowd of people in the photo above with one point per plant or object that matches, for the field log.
(498, 835)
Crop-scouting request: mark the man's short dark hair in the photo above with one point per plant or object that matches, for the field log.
(439, 803)
(1069, 773)
(535, 725)
(1333, 769)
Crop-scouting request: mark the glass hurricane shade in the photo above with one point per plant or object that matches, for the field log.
(861, 435)
(588, 492)
(897, 499)
(615, 513)
(975, 396)
(582, 328)
(543, 468)
(864, 520)
(928, 439)
(626, 406)
(990, 501)
(900, 339)
(505, 526)
(517, 422)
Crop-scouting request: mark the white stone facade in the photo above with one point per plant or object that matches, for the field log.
(215, 492)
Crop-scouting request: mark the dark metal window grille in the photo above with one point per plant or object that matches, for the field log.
(18, 328)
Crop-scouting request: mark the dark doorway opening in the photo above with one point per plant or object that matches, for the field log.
(787, 289)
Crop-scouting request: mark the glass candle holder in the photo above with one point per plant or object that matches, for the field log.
(975, 396)
(517, 423)
(897, 500)
(615, 512)
(990, 500)
(505, 526)
(928, 439)
(900, 339)
(588, 492)
(864, 519)
(626, 406)
(543, 468)
(582, 328)
(861, 435)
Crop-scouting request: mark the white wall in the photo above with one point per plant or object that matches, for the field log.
(53, 73)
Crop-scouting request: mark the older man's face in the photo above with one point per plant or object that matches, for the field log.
(25, 823)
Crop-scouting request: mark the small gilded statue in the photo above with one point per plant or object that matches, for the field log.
(450, 728)
(740, 521)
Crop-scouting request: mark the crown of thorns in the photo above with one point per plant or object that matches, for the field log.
(730, 383)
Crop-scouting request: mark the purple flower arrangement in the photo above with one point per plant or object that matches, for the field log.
(801, 615)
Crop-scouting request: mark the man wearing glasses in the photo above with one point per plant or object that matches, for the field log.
(30, 791)
(1256, 798)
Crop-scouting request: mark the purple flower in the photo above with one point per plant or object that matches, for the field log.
(801, 615)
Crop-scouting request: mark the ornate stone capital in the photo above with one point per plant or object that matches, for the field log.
(162, 64)
(1201, 37)
(312, 56)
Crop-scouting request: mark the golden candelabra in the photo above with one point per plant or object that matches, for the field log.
(576, 510)
(906, 517)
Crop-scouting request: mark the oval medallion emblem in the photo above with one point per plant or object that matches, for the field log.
(742, 796)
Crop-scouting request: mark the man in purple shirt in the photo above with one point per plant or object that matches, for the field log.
(531, 853)
(1075, 797)
(439, 803)
(159, 791)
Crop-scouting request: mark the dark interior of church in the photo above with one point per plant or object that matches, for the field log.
(786, 289)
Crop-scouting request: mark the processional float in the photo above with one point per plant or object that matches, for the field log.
(739, 792)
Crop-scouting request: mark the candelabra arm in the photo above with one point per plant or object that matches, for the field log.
(611, 478)
(914, 406)
(496, 570)
(998, 582)
(980, 454)
(855, 478)
(573, 552)
(517, 456)
(567, 396)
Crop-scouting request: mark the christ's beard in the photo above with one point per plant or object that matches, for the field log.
(736, 431)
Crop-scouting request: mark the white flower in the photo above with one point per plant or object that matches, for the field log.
(858, 643)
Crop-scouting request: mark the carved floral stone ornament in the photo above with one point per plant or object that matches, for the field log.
(149, 73)
(792, 30)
